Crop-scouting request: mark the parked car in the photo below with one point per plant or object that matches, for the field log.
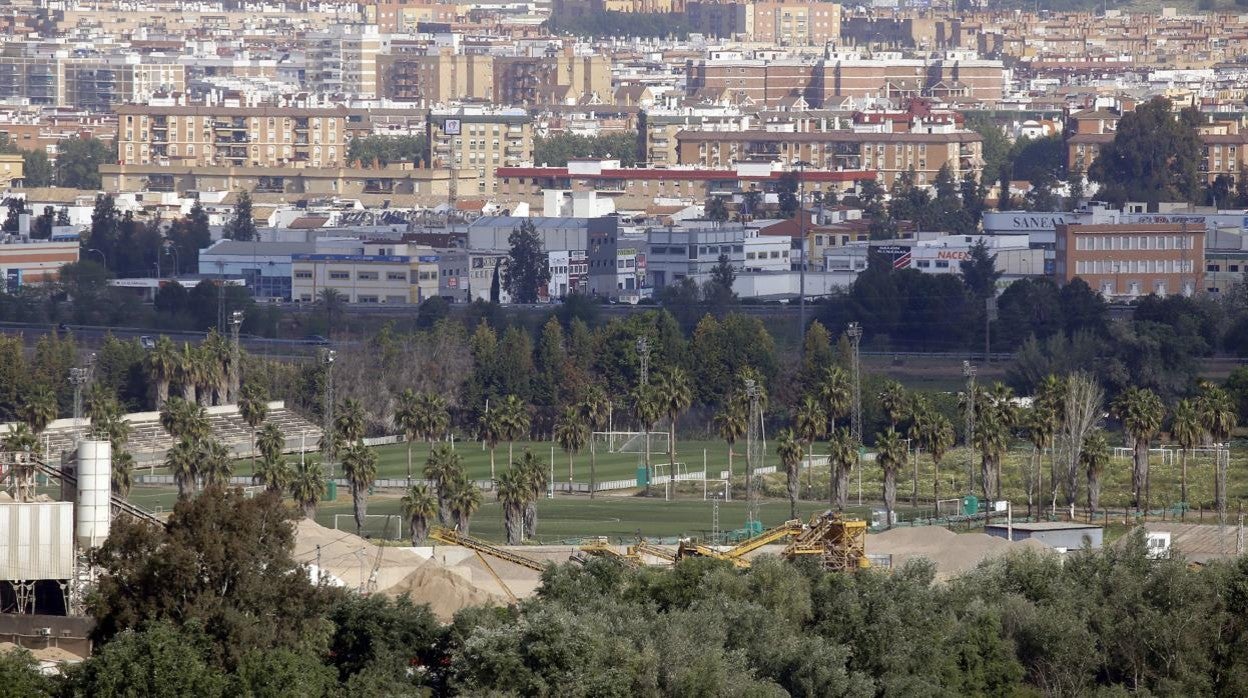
(147, 342)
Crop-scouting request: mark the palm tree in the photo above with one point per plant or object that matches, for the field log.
(811, 423)
(432, 417)
(274, 473)
(995, 415)
(253, 407)
(271, 442)
(465, 500)
(649, 410)
(1051, 400)
(444, 469)
(490, 430)
(307, 486)
(894, 402)
(418, 506)
(332, 301)
(1218, 417)
(208, 372)
(162, 368)
(789, 448)
(1141, 413)
(891, 454)
(842, 454)
(407, 421)
(1094, 457)
(1188, 431)
(571, 433)
(835, 392)
(359, 466)
(218, 357)
(122, 473)
(21, 439)
(513, 492)
(1041, 424)
(596, 410)
(730, 422)
(215, 465)
(100, 402)
(185, 419)
(350, 421)
(39, 410)
(183, 462)
(920, 412)
(514, 419)
(186, 371)
(533, 472)
(674, 395)
(936, 438)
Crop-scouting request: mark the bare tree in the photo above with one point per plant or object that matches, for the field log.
(1084, 408)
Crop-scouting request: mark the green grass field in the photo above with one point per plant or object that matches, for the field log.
(622, 516)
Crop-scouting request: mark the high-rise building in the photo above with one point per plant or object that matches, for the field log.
(479, 141)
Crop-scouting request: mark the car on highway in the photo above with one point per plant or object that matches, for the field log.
(316, 339)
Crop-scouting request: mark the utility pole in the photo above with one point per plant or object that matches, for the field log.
(855, 340)
(236, 356)
(327, 429)
(77, 378)
(968, 370)
(643, 352)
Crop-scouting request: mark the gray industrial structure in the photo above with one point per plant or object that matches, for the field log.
(1064, 535)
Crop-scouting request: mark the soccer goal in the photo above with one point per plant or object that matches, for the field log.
(630, 441)
(379, 526)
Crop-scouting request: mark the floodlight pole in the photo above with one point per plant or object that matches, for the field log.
(855, 340)
(968, 370)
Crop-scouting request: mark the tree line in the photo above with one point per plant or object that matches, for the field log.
(1026, 623)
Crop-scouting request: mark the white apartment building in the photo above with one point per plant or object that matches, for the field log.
(343, 60)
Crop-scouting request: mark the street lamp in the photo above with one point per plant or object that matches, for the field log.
(177, 261)
(101, 254)
(327, 429)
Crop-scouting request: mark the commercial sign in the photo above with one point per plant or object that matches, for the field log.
(1022, 221)
(955, 255)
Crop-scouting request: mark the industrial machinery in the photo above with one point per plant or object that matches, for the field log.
(736, 554)
(840, 543)
(452, 537)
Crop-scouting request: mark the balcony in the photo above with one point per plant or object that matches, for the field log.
(271, 185)
(235, 125)
(379, 186)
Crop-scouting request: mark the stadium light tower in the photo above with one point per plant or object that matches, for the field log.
(327, 430)
(968, 370)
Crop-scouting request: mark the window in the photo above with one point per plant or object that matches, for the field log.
(942, 264)
(366, 299)
(396, 299)
(396, 276)
(366, 275)
(923, 264)
(303, 274)
(340, 275)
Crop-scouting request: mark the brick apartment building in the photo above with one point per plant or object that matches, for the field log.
(508, 80)
(1132, 260)
(888, 153)
(258, 136)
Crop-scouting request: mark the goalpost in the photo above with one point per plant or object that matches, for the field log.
(630, 441)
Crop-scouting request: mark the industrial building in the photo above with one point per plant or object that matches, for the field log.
(1061, 535)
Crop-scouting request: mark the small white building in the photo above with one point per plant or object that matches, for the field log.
(569, 272)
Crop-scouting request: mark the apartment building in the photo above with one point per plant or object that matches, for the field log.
(477, 142)
(343, 60)
(12, 169)
(888, 154)
(24, 261)
(1224, 146)
(563, 78)
(366, 272)
(440, 78)
(95, 84)
(673, 254)
(638, 187)
(236, 136)
(1132, 259)
(796, 23)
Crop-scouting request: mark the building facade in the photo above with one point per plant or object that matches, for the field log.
(475, 143)
(366, 272)
(1132, 260)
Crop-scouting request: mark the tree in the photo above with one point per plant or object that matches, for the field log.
(936, 437)
(786, 190)
(723, 276)
(359, 465)
(445, 470)
(834, 392)
(811, 423)
(490, 429)
(271, 442)
(731, 424)
(332, 302)
(513, 492)
(221, 561)
(596, 411)
(37, 170)
(1187, 431)
(307, 487)
(350, 420)
(1094, 458)
(16, 207)
(1082, 406)
(274, 473)
(1154, 156)
(1141, 413)
(674, 395)
(465, 499)
(979, 272)
(894, 402)
(527, 270)
(182, 461)
(842, 455)
(407, 421)
(21, 677)
(890, 454)
(215, 464)
(533, 472)
(789, 449)
(513, 417)
(242, 224)
(716, 209)
(1218, 418)
(418, 506)
(78, 162)
(40, 409)
(648, 408)
(253, 407)
(571, 433)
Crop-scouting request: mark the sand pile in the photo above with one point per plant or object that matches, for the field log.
(953, 553)
(349, 558)
(445, 591)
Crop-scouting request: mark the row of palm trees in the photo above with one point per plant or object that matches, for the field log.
(207, 374)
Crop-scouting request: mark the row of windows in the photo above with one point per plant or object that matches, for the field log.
(1133, 266)
(775, 254)
(1218, 267)
(927, 263)
(1133, 242)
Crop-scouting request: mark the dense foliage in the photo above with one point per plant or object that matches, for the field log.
(379, 151)
(1154, 157)
(557, 149)
(1024, 624)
